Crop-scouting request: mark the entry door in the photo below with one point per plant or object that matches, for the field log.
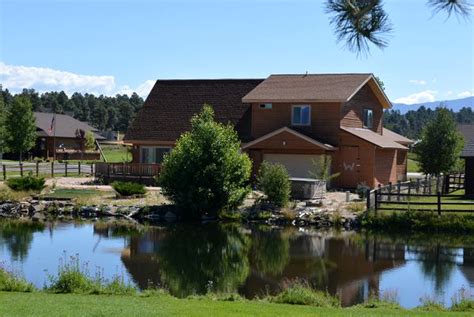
(350, 166)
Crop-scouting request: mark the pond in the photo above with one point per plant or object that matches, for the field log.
(253, 261)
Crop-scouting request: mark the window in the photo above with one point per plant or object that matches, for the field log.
(368, 118)
(266, 106)
(301, 115)
(153, 154)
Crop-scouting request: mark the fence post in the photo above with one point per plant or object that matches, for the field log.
(368, 200)
(65, 168)
(399, 187)
(376, 200)
(92, 169)
(4, 167)
(417, 185)
(37, 168)
(409, 188)
(439, 203)
(79, 168)
(52, 169)
(446, 184)
(389, 197)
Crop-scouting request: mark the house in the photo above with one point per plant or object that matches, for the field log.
(64, 135)
(289, 119)
(467, 130)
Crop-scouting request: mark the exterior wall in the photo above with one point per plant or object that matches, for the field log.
(402, 168)
(364, 163)
(352, 112)
(469, 181)
(324, 126)
(286, 141)
(385, 166)
(44, 148)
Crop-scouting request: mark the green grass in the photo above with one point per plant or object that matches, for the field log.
(44, 304)
(433, 200)
(116, 153)
(65, 193)
(413, 166)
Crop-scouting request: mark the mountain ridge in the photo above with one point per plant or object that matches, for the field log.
(454, 104)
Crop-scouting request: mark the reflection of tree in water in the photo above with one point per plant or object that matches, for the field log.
(436, 262)
(270, 250)
(17, 237)
(195, 259)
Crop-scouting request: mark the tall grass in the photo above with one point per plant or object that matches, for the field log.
(13, 282)
(300, 293)
(74, 277)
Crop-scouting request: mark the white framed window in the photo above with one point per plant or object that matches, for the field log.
(368, 118)
(153, 154)
(301, 115)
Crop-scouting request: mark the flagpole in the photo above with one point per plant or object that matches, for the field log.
(54, 137)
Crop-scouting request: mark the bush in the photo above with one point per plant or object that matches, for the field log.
(301, 294)
(128, 188)
(274, 181)
(462, 301)
(11, 282)
(206, 173)
(26, 183)
(361, 190)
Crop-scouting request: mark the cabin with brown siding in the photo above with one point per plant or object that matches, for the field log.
(288, 119)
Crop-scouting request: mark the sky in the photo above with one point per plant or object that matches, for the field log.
(110, 46)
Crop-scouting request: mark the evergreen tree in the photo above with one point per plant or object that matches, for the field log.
(440, 145)
(3, 128)
(21, 126)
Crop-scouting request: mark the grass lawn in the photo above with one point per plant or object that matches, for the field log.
(43, 304)
(116, 153)
(413, 166)
(64, 193)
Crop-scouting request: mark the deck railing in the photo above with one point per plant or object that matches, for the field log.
(127, 169)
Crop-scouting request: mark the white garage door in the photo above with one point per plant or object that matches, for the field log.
(298, 165)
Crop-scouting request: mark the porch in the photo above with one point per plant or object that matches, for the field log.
(130, 172)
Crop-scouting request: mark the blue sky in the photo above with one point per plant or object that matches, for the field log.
(110, 46)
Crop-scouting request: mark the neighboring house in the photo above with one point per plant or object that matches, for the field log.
(62, 135)
(467, 130)
(289, 119)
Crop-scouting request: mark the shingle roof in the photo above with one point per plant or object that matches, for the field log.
(308, 87)
(65, 125)
(467, 130)
(396, 137)
(370, 136)
(171, 104)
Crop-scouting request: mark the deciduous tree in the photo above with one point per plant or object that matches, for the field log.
(21, 126)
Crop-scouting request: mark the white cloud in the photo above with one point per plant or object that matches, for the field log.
(15, 78)
(466, 94)
(449, 93)
(422, 96)
(417, 82)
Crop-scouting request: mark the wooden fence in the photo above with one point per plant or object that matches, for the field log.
(47, 169)
(428, 194)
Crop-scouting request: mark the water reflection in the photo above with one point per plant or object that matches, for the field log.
(17, 237)
(190, 259)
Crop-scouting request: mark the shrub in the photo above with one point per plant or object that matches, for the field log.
(11, 282)
(301, 294)
(26, 183)
(361, 190)
(128, 188)
(206, 173)
(274, 181)
(462, 301)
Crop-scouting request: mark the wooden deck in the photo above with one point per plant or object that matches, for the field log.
(133, 172)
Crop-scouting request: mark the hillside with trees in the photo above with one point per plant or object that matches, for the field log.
(412, 122)
(102, 112)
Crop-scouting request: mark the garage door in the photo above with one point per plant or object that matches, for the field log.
(298, 165)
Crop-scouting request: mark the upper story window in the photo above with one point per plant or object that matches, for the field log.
(153, 154)
(368, 118)
(301, 115)
(265, 106)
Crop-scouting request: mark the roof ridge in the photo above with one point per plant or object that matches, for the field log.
(321, 74)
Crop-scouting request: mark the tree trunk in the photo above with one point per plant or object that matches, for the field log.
(21, 156)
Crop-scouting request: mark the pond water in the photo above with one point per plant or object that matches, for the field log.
(250, 260)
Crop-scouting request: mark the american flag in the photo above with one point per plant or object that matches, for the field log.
(53, 123)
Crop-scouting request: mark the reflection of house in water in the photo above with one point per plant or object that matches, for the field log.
(337, 264)
(341, 265)
(140, 258)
